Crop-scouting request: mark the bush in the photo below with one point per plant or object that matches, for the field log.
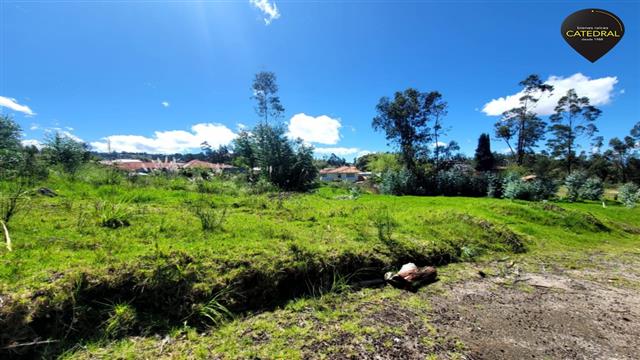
(494, 186)
(629, 194)
(262, 186)
(460, 180)
(539, 189)
(593, 189)
(574, 183)
(398, 183)
(579, 187)
(210, 218)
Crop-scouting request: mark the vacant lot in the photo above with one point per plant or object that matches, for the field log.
(170, 259)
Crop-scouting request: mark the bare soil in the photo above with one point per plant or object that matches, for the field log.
(565, 314)
(543, 315)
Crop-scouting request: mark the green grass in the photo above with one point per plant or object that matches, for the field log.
(161, 266)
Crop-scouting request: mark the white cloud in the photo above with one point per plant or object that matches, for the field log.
(13, 105)
(241, 126)
(599, 91)
(171, 141)
(70, 135)
(321, 129)
(165, 104)
(439, 144)
(34, 127)
(269, 9)
(341, 151)
(30, 142)
(63, 132)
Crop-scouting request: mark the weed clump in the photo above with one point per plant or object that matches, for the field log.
(210, 218)
(122, 321)
(112, 215)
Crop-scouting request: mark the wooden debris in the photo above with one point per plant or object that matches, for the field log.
(7, 238)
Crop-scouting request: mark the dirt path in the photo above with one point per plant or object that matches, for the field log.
(541, 315)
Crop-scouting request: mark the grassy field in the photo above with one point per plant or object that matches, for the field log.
(102, 262)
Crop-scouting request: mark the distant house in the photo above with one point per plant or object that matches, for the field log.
(343, 173)
(146, 166)
(217, 168)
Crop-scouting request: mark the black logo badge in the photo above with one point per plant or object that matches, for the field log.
(592, 32)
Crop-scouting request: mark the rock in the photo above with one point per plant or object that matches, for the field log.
(47, 192)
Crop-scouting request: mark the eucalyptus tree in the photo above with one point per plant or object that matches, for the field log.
(522, 123)
(265, 92)
(574, 117)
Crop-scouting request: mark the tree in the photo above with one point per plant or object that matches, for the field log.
(522, 123)
(381, 163)
(438, 110)
(64, 151)
(265, 92)
(335, 160)
(484, 157)
(620, 153)
(405, 122)
(573, 118)
(221, 155)
(245, 153)
(10, 145)
(286, 164)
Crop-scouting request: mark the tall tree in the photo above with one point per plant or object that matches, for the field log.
(265, 92)
(623, 153)
(574, 117)
(522, 123)
(484, 157)
(335, 160)
(405, 122)
(437, 111)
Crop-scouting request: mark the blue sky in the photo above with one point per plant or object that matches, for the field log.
(161, 76)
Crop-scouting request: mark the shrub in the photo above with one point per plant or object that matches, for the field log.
(398, 183)
(13, 198)
(579, 187)
(539, 189)
(262, 186)
(629, 194)
(494, 186)
(574, 183)
(593, 189)
(210, 218)
(460, 180)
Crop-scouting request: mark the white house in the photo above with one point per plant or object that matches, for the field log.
(343, 173)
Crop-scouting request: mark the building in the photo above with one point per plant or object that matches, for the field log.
(216, 168)
(343, 173)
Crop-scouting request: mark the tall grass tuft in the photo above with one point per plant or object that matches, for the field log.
(112, 215)
(214, 310)
(210, 218)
